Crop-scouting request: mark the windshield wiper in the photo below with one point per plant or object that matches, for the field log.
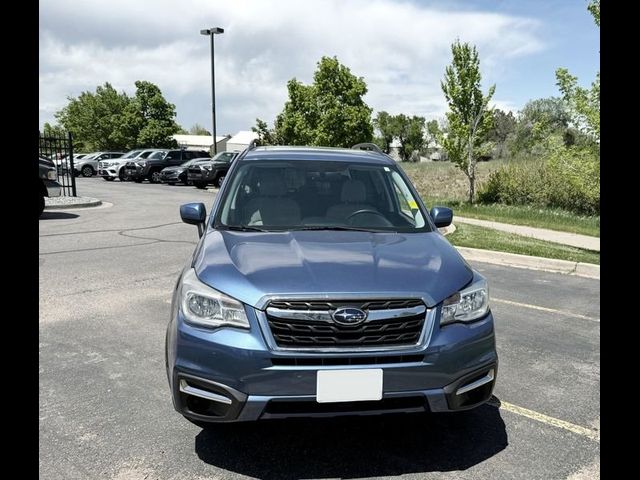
(242, 228)
(340, 228)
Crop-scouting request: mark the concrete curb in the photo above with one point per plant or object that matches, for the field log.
(579, 269)
(83, 202)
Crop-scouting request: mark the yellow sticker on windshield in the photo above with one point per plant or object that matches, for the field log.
(413, 204)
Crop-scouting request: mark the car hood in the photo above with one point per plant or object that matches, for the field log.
(177, 168)
(251, 266)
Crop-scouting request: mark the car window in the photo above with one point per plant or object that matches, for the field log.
(293, 195)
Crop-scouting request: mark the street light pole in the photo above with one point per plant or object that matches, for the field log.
(211, 32)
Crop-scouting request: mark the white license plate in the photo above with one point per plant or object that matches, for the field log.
(349, 385)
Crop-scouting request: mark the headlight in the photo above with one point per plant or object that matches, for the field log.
(466, 305)
(141, 163)
(52, 175)
(204, 306)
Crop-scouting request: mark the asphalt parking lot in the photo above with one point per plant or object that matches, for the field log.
(106, 276)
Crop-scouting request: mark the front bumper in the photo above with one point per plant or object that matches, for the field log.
(249, 381)
(54, 189)
(173, 176)
(108, 172)
(134, 173)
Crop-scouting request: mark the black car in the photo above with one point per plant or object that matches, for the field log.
(212, 172)
(178, 174)
(150, 168)
(47, 181)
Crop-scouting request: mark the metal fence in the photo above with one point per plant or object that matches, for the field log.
(59, 149)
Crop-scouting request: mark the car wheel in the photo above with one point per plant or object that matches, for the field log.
(87, 171)
(108, 179)
(201, 185)
(41, 205)
(122, 176)
(155, 177)
(219, 181)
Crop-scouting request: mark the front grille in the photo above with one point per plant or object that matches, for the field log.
(333, 361)
(318, 333)
(332, 305)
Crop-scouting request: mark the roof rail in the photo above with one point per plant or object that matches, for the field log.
(372, 147)
(253, 144)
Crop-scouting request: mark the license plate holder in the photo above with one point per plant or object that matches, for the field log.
(354, 385)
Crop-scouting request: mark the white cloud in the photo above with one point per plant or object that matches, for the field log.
(400, 49)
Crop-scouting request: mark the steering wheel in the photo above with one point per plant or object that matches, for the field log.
(366, 210)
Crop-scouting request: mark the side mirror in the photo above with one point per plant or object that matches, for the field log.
(194, 214)
(442, 216)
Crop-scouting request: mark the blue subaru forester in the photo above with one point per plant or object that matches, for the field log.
(321, 286)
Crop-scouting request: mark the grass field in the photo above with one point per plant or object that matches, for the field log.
(489, 239)
(442, 183)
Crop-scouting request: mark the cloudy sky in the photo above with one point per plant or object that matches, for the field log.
(400, 47)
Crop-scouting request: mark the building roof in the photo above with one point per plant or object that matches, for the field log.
(243, 137)
(318, 153)
(198, 139)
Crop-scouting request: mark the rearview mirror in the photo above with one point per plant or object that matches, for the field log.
(194, 214)
(442, 216)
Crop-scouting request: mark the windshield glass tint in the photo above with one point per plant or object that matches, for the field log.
(294, 195)
(131, 154)
(224, 157)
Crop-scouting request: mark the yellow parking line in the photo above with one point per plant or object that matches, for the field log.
(545, 309)
(546, 419)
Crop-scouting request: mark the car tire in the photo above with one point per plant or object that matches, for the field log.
(41, 205)
(122, 176)
(200, 185)
(87, 171)
(219, 180)
(108, 179)
(154, 177)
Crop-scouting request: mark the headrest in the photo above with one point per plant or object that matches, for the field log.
(272, 185)
(353, 191)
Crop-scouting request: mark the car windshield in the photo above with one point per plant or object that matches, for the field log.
(158, 154)
(131, 154)
(319, 195)
(224, 157)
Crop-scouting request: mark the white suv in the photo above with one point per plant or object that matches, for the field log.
(113, 168)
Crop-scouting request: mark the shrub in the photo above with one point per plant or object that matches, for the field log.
(569, 179)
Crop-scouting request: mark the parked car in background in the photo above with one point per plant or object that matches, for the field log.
(321, 286)
(150, 168)
(114, 168)
(212, 172)
(178, 173)
(48, 185)
(88, 166)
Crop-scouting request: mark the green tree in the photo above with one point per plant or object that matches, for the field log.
(385, 125)
(539, 122)
(54, 131)
(329, 112)
(149, 118)
(469, 116)
(266, 136)
(584, 103)
(410, 134)
(198, 129)
(95, 119)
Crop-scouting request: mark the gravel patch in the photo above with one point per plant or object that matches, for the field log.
(70, 202)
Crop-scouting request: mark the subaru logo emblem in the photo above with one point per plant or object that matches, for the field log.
(349, 316)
